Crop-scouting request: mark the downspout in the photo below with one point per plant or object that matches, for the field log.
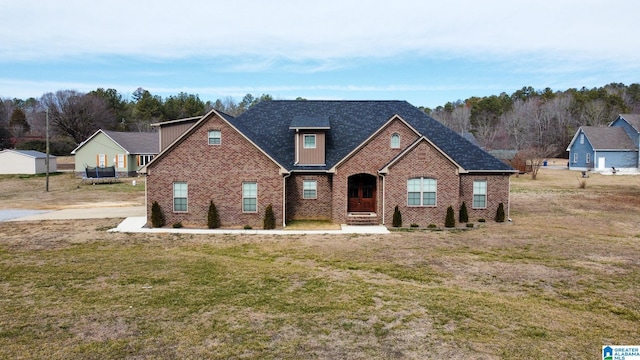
(284, 199)
(383, 196)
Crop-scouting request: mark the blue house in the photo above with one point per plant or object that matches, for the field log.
(607, 149)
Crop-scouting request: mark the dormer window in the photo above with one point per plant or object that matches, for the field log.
(395, 141)
(310, 141)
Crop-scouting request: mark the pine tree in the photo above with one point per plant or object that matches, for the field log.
(450, 221)
(500, 213)
(269, 218)
(213, 218)
(157, 217)
(397, 218)
(463, 215)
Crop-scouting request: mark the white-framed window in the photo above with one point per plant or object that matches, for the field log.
(588, 158)
(249, 197)
(102, 160)
(215, 137)
(144, 159)
(309, 141)
(480, 194)
(395, 141)
(581, 139)
(309, 189)
(575, 157)
(180, 196)
(120, 161)
(421, 192)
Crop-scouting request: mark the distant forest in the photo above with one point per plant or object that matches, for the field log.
(527, 119)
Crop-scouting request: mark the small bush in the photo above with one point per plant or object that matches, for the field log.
(582, 184)
(157, 216)
(177, 225)
(247, 227)
(432, 226)
(397, 218)
(482, 220)
(469, 225)
(450, 220)
(414, 225)
(269, 221)
(463, 215)
(500, 213)
(213, 218)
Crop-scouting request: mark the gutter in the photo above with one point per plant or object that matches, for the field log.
(284, 199)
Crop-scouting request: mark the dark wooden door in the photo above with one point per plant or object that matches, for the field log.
(362, 193)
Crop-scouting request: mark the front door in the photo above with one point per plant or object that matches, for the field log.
(362, 193)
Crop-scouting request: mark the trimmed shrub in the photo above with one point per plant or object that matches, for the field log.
(415, 225)
(213, 218)
(397, 218)
(450, 221)
(469, 225)
(269, 221)
(157, 216)
(482, 220)
(463, 215)
(177, 225)
(500, 213)
(247, 227)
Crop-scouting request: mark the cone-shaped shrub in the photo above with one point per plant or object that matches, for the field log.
(500, 213)
(157, 217)
(213, 218)
(269, 218)
(450, 221)
(463, 216)
(397, 218)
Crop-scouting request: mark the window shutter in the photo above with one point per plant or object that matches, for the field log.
(97, 160)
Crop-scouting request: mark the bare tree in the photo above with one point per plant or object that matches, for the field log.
(535, 156)
(76, 114)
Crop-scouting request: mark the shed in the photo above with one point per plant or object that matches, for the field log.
(25, 162)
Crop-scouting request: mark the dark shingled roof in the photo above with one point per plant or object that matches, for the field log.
(136, 142)
(608, 138)
(268, 124)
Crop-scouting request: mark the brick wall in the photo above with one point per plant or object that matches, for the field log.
(215, 172)
(299, 208)
(423, 161)
(497, 192)
(368, 160)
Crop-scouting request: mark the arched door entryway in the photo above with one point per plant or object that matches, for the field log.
(362, 193)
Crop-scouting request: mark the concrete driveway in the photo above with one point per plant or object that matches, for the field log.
(68, 214)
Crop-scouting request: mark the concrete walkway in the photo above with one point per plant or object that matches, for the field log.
(135, 220)
(136, 225)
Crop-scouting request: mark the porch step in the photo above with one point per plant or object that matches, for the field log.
(363, 219)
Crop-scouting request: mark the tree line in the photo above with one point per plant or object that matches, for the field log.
(74, 116)
(541, 121)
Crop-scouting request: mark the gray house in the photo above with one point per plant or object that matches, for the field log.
(607, 149)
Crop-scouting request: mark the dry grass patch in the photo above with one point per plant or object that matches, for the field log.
(559, 281)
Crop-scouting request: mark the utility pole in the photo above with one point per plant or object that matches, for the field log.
(46, 160)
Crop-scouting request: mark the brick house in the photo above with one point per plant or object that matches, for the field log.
(344, 161)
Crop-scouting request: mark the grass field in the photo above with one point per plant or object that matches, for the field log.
(560, 281)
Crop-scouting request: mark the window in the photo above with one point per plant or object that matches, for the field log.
(180, 196)
(120, 161)
(395, 141)
(480, 194)
(575, 157)
(581, 139)
(309, 189)
(215, 137)
(310, 141)
(421, 192)
(249, 197)
(588, 159)
(102, 160)
(144, 159)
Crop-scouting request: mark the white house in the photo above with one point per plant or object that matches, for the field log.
(25, 162)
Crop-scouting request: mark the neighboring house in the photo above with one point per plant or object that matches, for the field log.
(606, 148)
(344, 161)
(25, 162)
(127, 151)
